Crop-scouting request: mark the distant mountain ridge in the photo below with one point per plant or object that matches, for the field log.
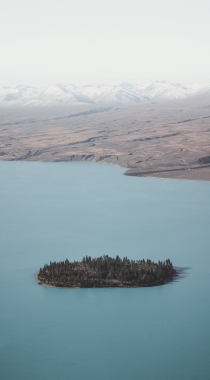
(125, 93)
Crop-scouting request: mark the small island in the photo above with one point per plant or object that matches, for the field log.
(106, 272)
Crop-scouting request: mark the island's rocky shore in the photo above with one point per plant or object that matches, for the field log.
(106, 272)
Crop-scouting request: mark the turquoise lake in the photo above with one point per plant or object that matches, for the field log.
(54, 211)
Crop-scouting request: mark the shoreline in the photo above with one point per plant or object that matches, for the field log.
(191, 173)
(172, 279)
(129, 172)
(104, 287)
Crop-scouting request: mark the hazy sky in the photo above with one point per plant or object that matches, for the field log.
(44, 42)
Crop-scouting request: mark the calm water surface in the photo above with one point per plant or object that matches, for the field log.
(50, 211)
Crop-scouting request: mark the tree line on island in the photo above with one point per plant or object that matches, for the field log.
(106, 271)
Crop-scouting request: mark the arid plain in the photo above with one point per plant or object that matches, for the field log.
(168, 139)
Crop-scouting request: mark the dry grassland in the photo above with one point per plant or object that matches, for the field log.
(163, 139)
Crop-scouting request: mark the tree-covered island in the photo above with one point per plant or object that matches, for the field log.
(106, 272)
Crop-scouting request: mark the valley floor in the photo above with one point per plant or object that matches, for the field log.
(159, 139)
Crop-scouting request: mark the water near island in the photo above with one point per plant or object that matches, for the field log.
(54, 211)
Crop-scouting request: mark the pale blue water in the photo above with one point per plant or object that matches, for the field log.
(50, 211)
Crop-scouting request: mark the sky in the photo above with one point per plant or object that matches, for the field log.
(46, 42)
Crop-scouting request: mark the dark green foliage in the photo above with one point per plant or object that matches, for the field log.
(106, 272)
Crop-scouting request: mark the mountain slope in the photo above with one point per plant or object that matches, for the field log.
(124, 93)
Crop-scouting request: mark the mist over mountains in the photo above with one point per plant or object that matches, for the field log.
(125, 93)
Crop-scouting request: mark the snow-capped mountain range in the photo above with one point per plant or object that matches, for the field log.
(124, 93)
